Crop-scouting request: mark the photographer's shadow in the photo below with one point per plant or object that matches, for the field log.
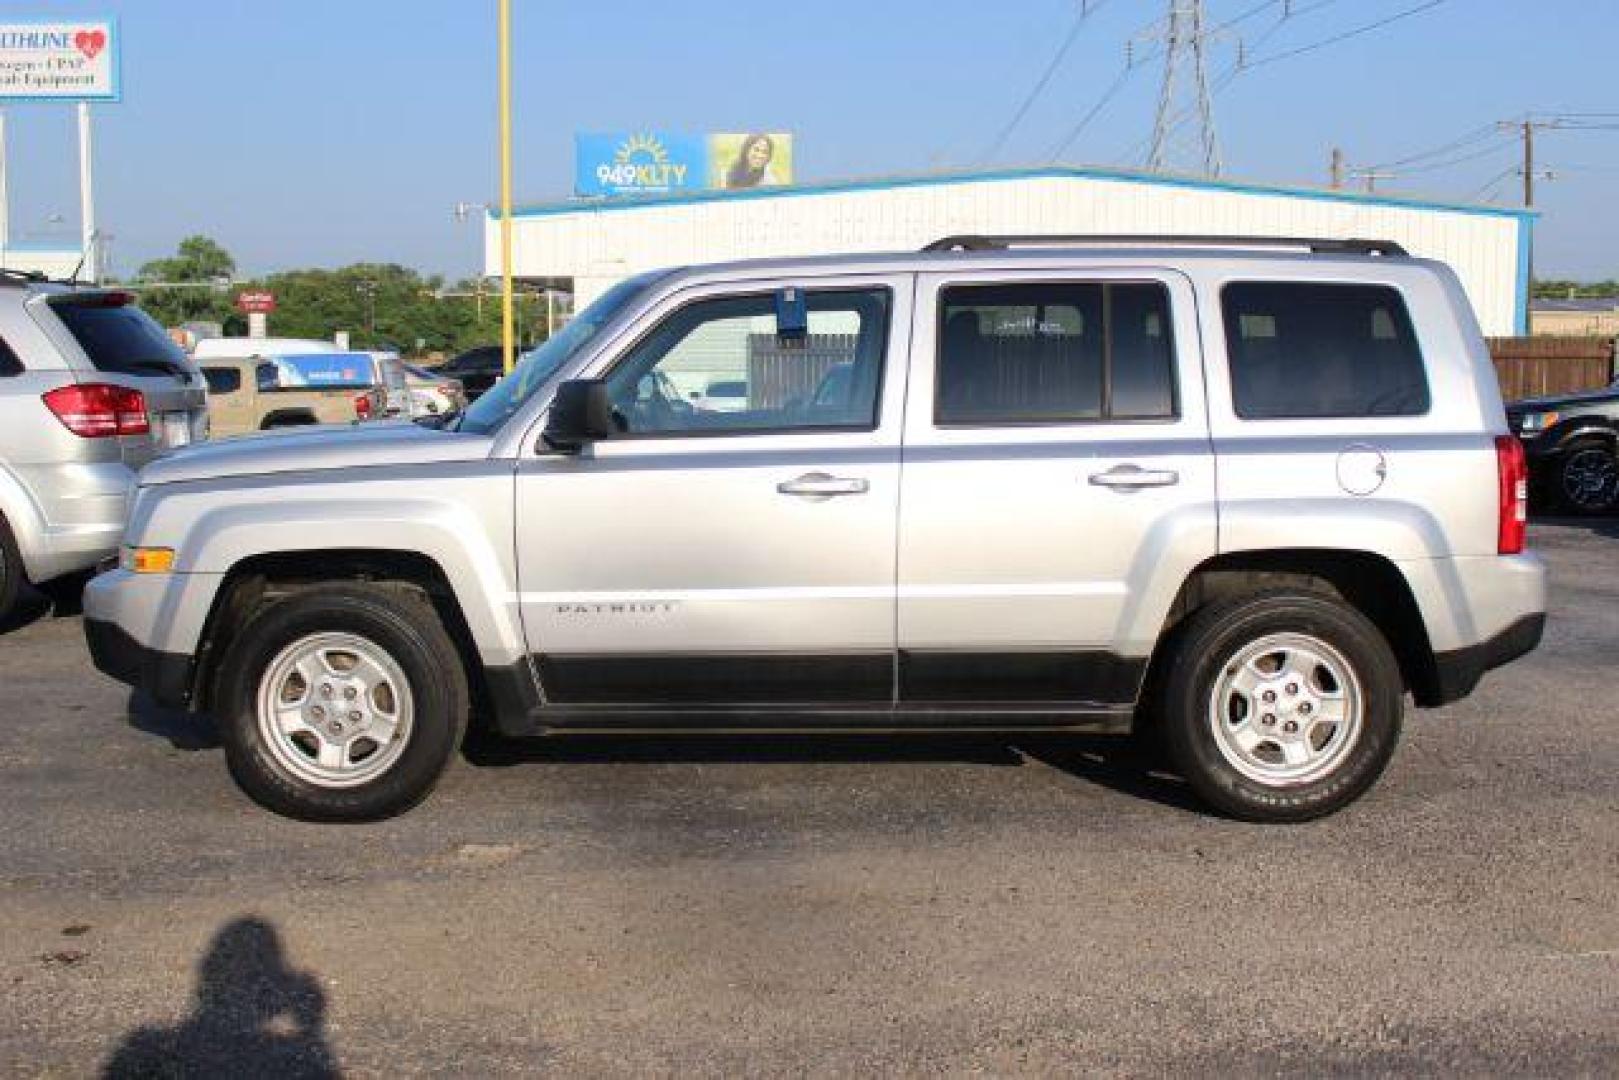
(253, 1017)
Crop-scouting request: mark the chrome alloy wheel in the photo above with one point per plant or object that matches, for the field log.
(334, 709)
(1591, 479)
(1286, 709)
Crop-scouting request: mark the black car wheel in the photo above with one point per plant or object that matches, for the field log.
(343, 703)
(1280, 705)
(11, 572)
(1588, 479)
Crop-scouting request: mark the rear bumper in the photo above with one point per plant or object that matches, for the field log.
(164, 676)
(69, 516)
(1458, 671)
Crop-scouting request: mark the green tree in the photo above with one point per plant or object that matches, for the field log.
(381, 305)
(191, 286)
(199, 259)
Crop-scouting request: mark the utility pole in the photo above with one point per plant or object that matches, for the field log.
(1526, 129)
(1185, 42)
(1337, 168)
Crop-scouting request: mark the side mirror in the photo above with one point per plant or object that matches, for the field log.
(581, 412)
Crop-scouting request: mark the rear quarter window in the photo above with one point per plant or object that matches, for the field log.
(1307, 349)
(9, 364)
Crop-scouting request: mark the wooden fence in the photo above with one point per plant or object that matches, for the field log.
(1537, 366)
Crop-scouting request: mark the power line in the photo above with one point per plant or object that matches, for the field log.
(1491, 183)
(1343, 36)
(1087, 9)
(1101, 103)
(1476, 135)
(1436, 166)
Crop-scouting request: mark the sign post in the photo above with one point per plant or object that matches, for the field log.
(508, 344)
(256, 304)
(87, 197)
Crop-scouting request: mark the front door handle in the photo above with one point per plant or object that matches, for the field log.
(1130, 477)
(820, 485)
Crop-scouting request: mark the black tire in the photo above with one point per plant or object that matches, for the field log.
(1588, 478)
(13, 579)
(400, 621)
(1214, 636)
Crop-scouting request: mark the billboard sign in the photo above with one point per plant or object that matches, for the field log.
(60, 60)
(660, 163)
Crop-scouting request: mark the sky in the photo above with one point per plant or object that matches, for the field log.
(305, 133)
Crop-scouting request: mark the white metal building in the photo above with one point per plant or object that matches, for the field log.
(589, 245)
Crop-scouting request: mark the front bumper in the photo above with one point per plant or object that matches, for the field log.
(144, 629)
(166, 677)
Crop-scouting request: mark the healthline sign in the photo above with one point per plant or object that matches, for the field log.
(66, 60)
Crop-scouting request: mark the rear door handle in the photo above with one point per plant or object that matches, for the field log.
(820, 485)
(1130, 477)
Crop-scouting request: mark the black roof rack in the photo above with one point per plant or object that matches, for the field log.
(1315, 244)
(29, 276)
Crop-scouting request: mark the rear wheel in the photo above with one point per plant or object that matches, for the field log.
(342, 703)
(1588, 479)
(1281, 705)
(12, 576)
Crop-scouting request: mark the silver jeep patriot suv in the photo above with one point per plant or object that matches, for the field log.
(1246, 494)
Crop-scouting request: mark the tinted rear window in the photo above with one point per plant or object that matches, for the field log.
(9, 364)
(124, 340)
(1321, 350)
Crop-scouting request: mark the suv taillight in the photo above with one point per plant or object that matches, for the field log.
(99, 410)
(362, 407)
(1513, 473)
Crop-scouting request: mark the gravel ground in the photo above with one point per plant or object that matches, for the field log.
(722, 905)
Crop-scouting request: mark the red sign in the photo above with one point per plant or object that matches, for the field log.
(258, 302)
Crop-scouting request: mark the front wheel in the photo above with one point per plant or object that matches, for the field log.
(343, 703)
(1281, 705)
(1588, 479)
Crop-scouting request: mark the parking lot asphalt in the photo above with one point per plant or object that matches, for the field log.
(830, 905)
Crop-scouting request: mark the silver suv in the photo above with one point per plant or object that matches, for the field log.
(1244, 494)
(91, 389)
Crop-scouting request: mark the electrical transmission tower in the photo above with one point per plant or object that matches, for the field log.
(1183, 136)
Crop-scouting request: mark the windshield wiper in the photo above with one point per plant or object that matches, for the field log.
(167, 367)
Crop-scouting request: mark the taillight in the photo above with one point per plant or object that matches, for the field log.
(99, 410)
(1513, 473)
(362, 407)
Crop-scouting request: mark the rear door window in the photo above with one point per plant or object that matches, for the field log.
(1307, 349)
(120, 338)
(1054, 353)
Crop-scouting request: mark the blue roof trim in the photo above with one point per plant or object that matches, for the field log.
(1526, 243)
(1052, 172)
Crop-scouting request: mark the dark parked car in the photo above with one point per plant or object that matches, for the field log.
(476, 370)
(1572, 443)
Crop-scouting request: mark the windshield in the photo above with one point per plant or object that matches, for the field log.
(536, 367)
